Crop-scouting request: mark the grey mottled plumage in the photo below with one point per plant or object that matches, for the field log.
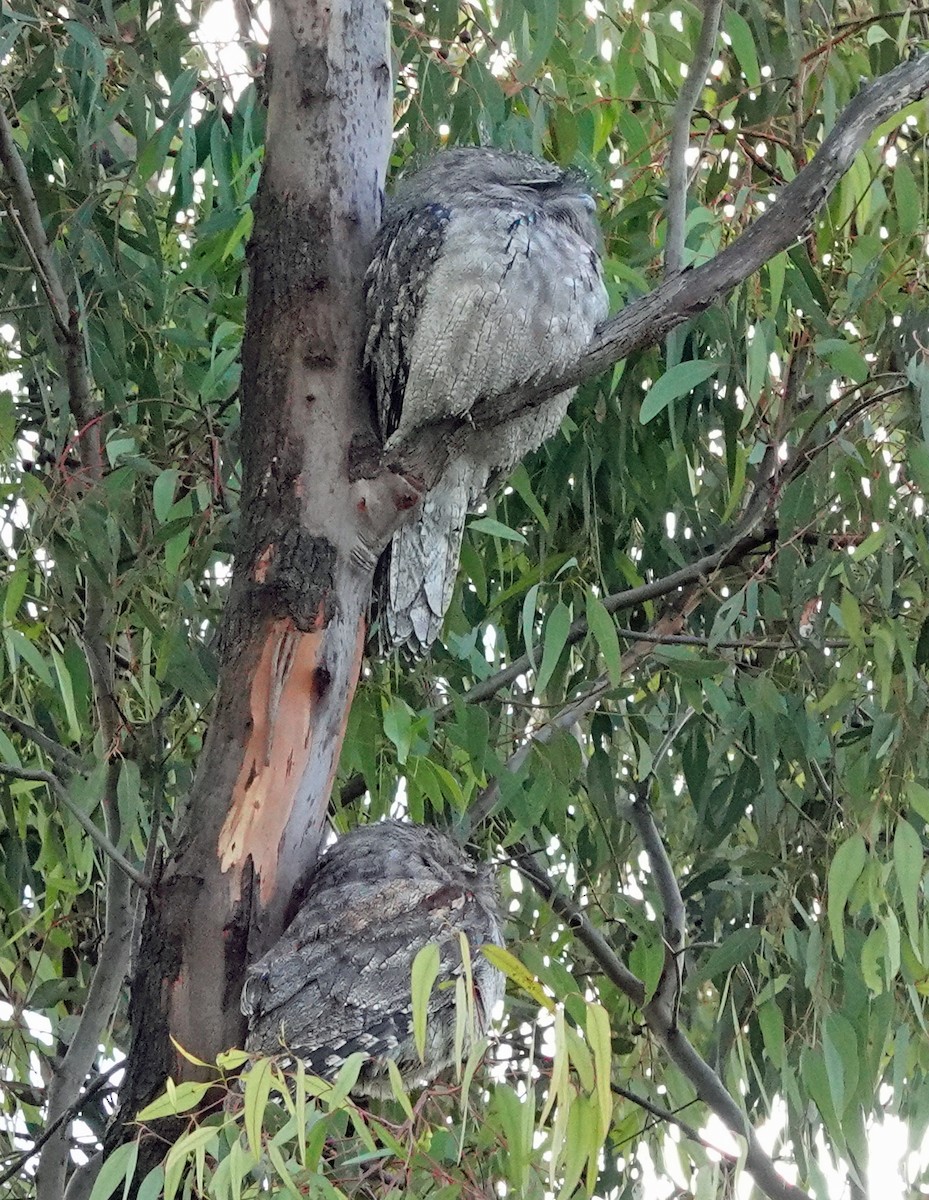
(338, 980)
(486, 276)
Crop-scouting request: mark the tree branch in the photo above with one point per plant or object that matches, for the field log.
(748, 643)
(737, 542)
(646, 321)
(49, 1132)
(693, 85)
(67, 323)
(662, 1114)
(531, 867)
(96, 835)
(659, 1020)
(711, 1090)
(60, 755)
(730, 552)
(572, 712)
(30, 232)
(660, 1012)
(639, 814)
(105, 984)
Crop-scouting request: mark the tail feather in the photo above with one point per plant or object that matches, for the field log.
(424, 564)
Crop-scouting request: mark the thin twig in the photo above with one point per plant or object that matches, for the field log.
(737, 541)
(568, 716)
(96, 835)
(639, 813)
(703, 568)
(663, 1114)
(687, 639)
(105, 985)
(531, 868)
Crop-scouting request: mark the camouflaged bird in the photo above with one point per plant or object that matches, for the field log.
(339, 979)
(486, 276)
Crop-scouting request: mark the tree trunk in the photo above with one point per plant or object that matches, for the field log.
(295, 620)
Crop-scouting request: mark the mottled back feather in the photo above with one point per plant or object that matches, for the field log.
(338, 980)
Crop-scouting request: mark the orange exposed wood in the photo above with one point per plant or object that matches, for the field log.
(282, 701)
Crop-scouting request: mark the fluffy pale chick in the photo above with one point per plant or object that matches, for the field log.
(338, 980)
(486, 276)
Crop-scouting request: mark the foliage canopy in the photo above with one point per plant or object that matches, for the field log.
(771, 712)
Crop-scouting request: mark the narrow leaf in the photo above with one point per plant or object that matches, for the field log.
(847, 864)
(178, 1099)
(257, 1090)
(908, 865)
(598, 1036)
(601, 626)
(506, 962)
(677, 382)
(496, 529)
(553, 641)
(424, 974)
(117, 1169)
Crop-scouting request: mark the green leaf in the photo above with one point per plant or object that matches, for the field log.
(522, 486)
(771, 1020)
(603, 629)
(909, 203)
(679, 381)
(743, 46)
(510, 965)
(908, 865)
(280, 1166)
(851, 618)
(398, 727)
(66, 689)
(599, 1037)
(846, 360)
(647, 961)
(16, 583)
(179, 1098)
(840, 1054)
(152, 1185)
(398, 1088)
(425, 972)
(163, 492)
(118, 1169)
(553, 642)
(918, 796)
(847, 864)
(20, 647)
(872, 542)
(496, 529)
(257, 1089)
(739, 946)
(528, 620)
(345, 1080)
